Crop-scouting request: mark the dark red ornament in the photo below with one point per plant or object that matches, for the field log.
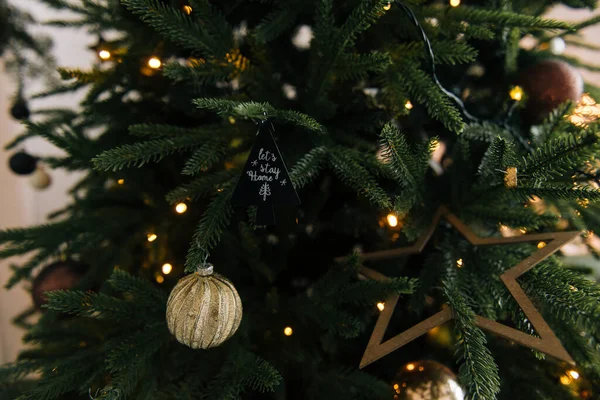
(61, 275)
(547, 85)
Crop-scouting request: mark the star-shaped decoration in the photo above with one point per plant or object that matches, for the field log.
(254, 163)
(284, 182)
(547, 342)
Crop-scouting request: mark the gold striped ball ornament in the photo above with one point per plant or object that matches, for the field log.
(203, 309)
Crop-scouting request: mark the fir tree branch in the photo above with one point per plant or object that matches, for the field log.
(478, 370)
(254, 110)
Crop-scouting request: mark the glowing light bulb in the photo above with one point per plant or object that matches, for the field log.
(288, 331)
(410, 366)
(459, 263)
(574, 374)
(565, 380)
(152, 237)
(154, 63)
(516, 93)
(180, 208)
(104, 54)
(392, 220)
(167, 268)
(408, 105)
(231, 120)
(187, 9)
(387, 6)
(381, 306)
(160, 279)
(121, 181)
(455, 3)
(541, 245)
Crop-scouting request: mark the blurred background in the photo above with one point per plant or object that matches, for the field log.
(22, 205)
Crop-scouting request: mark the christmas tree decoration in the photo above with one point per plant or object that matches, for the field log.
(586, 112)
(20, 110)
(40, 179)
(203, 309)
(61, 275)
(547, 342)
(510, 177)
(265, 181)
(22, 163)
(548, 84)
(426, 379)
(557, 45)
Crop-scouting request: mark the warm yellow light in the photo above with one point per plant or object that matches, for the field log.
(396, 386)
(154, 63)
(516, 93)
(392, 220)
(459, 263)
(455, 3)
(167, 268)
(121, 181)
(160, 279)
(181, 208)
(408, 105)
(104, 54)
(380, 306)
(410, 367)
(187, 9)
(288, 331)
(541, 245)
(565, 380)
(152, 237)
(388, 6)
(231, 119)
(574, 374)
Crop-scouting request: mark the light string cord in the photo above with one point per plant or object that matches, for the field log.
(431, 57)
(505, 122)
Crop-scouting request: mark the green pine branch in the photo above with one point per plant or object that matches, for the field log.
(478, 370)
(254, 110)
(138, 154)
(213, 37)
(212, 224)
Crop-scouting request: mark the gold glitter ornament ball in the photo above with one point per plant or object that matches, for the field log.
(426, 380)
(203, 309)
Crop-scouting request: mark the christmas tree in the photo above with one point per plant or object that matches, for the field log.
(440, 169)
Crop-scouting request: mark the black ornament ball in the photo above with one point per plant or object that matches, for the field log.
(20, 110)
(61, 275)
(22, 163)
(426, 379)
(548, 84)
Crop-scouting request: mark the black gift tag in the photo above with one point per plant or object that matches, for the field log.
(265, 181)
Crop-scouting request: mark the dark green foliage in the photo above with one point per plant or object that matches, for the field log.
(356, 150)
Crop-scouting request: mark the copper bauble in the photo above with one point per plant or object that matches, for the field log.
(204, 309)
(548, 84)
(61, 275)
(425, 380)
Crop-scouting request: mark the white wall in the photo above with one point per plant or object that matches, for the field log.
(20, 205)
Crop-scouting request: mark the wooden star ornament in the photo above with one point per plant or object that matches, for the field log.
(547, 342)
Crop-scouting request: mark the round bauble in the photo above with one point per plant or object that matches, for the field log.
(426, 379)
(20, 110)
(557, 46)
(40, 179)
(203, 309)
(548, 84)
(61, 275)
(22, 163)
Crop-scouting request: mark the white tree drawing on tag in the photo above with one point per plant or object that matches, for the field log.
(265, 190)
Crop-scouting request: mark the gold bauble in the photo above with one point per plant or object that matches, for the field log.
(203, 309)
(425, 380)
(40, 179)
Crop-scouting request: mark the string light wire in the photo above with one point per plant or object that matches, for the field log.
(431, 57)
